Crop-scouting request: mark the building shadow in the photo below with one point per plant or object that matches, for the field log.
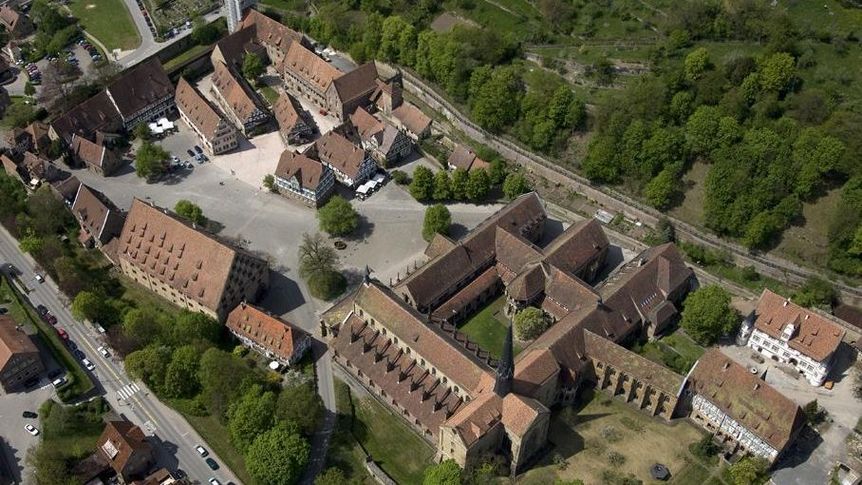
(801, 450)
(125, 169)
(165, 452)
(553, 228)
(283, 295)
(8, 463)
(844, 360)
(613, 260)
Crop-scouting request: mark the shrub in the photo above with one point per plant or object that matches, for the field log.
(400, 178)
(327, 285)
(616, 459)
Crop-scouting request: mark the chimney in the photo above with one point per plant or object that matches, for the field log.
(726, 366)
(786, 302)
(756, 386)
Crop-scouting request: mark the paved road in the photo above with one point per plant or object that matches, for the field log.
(173, 436)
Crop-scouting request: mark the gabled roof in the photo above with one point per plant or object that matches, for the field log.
(746, 398)
(270, 332)
(285, 113)
(441, 352)
(636, 366)
(271, 32)
(89, 152)
(67, 188)
(190, 101)
(464, 158)
(144, 85)
(336, 150)
(120, 441)
(235, 46)
(533, 367)
(92, 209)
(814, 335)
(13, 341)
(356, 83)
(581, 243)
(10, 17)
(236, 93)
(95, 114)
(194, 263)
(413, 119)
(309, 66)
(515, 413)
(307, 171)
(366, 124)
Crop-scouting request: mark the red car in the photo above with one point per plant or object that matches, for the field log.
(62, 333)
(51, 319)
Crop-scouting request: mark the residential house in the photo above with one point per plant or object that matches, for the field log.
(126, 449)
(786, 332)
(412, 120)
(352, 165)
(237, 99)
(143, 93)
(96, 157)
(66, 190)
(31, 169)
(465, 159)
(351, 90)
(745, 414)
(307, 75)
(32, 138)
(295, 128)
(19, 357)
(268, 335)
(99, 219)
(13, 51)
(17, 24)
(215, 133)
(232, 49)
(387, 144)
(181, 263)
(273, 35)
(304, 178)
(93, 116)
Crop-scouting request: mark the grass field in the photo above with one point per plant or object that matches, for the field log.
(399, 451)
(79, 381)
(193, 52)
(269, 93)
(683, 345)
(107, 20)
(810, 241)
(691, 208)
(488, 328)
(144, 298)
(286, 5)
(586, 437)
(216, 436)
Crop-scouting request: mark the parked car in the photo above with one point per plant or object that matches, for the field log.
(39, 278)
(58, 381)
(88, 365)
(31, 429)
(212, 464)
(71, 345)
(202, 451)
(213, 481)
(190, 152)
(51, 319)
(79, 354)
(104, 352)
(198, 149)
(42, 309)
(62, 333)
(29, 415)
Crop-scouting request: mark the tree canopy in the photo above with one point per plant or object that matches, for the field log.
(707, 315)
(530, 323)
(447, 472)
(277, 457)
(191, 211)
(151, 160)
(437, 221)
(338, 217)
(422, 185)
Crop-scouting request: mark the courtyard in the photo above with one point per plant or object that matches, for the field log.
(601, 440)
(488, 327)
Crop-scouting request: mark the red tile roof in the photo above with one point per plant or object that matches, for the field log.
(413, 119)
(238, 96)
(190, 101)
(274, 334)
(746, 398)
(356, 83)
(309, 66)
(119, 441)
(336, 150)
(307, 170)
(93, 211)
(13, 341)
(814, 335)
(577, 246)
(139, 87)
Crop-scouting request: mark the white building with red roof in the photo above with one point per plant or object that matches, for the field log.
(786, 332)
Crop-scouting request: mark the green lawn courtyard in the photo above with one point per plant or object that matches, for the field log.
(488, 327)
(107, 20)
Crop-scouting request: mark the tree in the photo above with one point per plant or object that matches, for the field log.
(700, 129)
(696, 62)
(777, 71)
(664, 228)
(814, 414)
(332, 476)
(664, 187)
(816, 292)
(337, 217)
(315, 256)
(31, 243)
(707, 315)
(48, 216)
(252, 66)
(223, 378)
(49, 465)
(327, 285)
(150, 160)
(447, 472)
(497, 171)
(459, 184)
(422, 185)
(250, 415)
(437, 221)
(495, 98)
(515, 185)
(204, 33)
(89, 305)
(191, 211)
(530, 323)
(142, 132)
(19, 115)
(442, 191)
(478, 185)
(301, 405)
(269, 183)
(189, 327)
(181, 375)
(143, 326)
(749, 471)
(29, 89)
(149, 365)
(277, 457)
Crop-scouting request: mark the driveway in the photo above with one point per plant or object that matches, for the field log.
(812, 457)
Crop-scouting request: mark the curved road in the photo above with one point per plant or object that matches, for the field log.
(173, 438)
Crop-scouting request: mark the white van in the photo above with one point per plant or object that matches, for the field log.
(363, 191)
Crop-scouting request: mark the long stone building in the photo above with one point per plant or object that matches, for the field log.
(185, 265)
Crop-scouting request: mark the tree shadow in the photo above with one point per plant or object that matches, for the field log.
(457, 231)
(363, 231)
(283, 295)
(8, 461)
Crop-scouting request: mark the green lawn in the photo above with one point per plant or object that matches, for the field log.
(216, 436)
(488, 328)
(392, 444)
(22, 312)
(107, 20)
(683, 345)
(269, 93)
(193, 52)
(142, 297)
(286, 5)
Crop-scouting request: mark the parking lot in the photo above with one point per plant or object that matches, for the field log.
(85, 64)
(812, 457)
